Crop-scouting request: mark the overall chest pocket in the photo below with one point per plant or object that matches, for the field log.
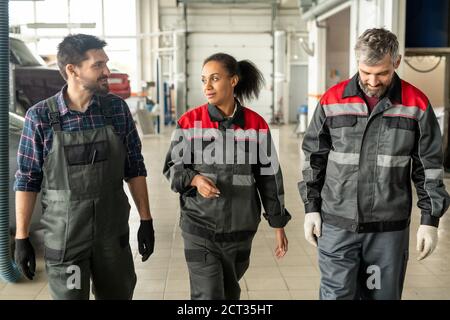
(88, 153)
(88, 166)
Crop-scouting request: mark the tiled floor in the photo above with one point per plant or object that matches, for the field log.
(296, 276)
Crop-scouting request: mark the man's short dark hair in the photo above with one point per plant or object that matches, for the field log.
(72, 50)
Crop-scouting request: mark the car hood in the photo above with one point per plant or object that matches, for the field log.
(38, 83)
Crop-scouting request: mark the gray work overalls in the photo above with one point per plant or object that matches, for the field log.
(85, 212)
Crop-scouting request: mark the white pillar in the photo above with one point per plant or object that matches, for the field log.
(148, 23)
(139, 60)
(354, 33)
(316, 65)
(280, 97)
(395, 20)
(179, 63)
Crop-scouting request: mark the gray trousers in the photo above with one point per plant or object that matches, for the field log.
(215, 268)
(365, 266)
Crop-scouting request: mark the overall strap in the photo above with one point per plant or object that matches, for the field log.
(105, 106)
(53, 114)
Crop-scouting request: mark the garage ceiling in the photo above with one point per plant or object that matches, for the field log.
(283, 4)
(228, 1)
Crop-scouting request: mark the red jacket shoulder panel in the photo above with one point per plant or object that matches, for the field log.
(334, 95)
(253, 120)
(198, 114)
(413, 97)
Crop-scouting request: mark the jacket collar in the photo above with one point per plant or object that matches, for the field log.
(394, 92)
(238, 118)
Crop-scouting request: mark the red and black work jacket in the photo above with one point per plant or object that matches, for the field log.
(359, 166)
(239, 156)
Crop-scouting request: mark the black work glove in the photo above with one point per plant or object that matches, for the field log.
(25, 258)
(146, 239)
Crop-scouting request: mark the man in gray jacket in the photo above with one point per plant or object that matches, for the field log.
(369, 137)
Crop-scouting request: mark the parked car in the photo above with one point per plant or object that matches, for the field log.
(119, 84)
(35, 81)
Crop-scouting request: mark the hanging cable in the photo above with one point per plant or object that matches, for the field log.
(426, 70)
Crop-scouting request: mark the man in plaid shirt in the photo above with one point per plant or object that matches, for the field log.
(76, 148)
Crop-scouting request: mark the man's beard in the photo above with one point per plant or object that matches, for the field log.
(97, 87)
(373, 94)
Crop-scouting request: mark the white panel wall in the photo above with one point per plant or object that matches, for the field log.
(256, 47)
(243, 30)
(217, 18)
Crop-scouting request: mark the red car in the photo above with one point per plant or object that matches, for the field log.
(35, 81)
(119, 84)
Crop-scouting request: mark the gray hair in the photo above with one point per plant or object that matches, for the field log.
(374, 44)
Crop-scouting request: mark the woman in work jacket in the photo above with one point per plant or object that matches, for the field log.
(223, 163)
